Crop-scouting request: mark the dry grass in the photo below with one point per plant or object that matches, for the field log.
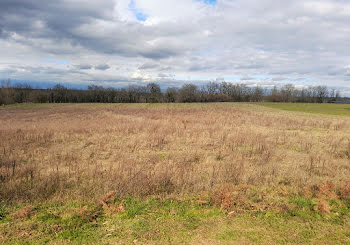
(88, 150)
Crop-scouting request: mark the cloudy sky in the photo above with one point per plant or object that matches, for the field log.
(120, 42)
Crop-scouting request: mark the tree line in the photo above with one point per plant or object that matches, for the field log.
(152, 93)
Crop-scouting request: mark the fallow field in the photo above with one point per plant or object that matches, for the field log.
(220, 173)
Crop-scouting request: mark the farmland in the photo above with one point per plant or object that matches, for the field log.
(219, 173)
(330, 109)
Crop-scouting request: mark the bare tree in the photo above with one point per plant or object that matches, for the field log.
(188, 93)
(171, 95)
(154, 91)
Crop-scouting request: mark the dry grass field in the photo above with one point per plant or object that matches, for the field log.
(161, 173)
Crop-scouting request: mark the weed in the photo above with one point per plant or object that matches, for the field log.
(3, 212)
(23, 213)
(171, 167)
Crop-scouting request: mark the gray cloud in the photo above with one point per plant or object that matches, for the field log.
(201, 67)
(163, 75)
(148, 65)
(84, 67)
(102, 67)
(247, 78)
(278, 79)
(241, 38)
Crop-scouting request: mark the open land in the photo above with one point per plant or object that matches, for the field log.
(219, 173)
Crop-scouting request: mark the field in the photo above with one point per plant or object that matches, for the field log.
(331, 109)
(219, 173)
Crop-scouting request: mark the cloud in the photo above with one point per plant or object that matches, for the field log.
(84, 67)
(102, 67)
(192, 38)
(247, 78)
(61, 62)
(148, 65)
(278, 79)
(163, 75)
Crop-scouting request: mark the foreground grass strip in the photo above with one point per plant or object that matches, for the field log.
(152, 221)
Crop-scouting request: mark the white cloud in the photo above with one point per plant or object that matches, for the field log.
(246, 38)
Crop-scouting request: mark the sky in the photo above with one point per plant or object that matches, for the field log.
(114, 43)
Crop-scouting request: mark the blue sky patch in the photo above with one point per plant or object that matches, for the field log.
(61, 62)
(211, 2)
(140, 16)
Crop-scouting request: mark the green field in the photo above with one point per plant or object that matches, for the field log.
(155, 221)
(331, 109)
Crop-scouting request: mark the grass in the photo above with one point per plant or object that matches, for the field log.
(155, 221)
(330, 109)
(217, 173)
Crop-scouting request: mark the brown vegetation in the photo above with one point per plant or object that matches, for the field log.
(22, 213)
(88, 150)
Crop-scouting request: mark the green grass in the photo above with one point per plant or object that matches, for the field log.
(331, 109)
(154, 221)
(26, 106)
